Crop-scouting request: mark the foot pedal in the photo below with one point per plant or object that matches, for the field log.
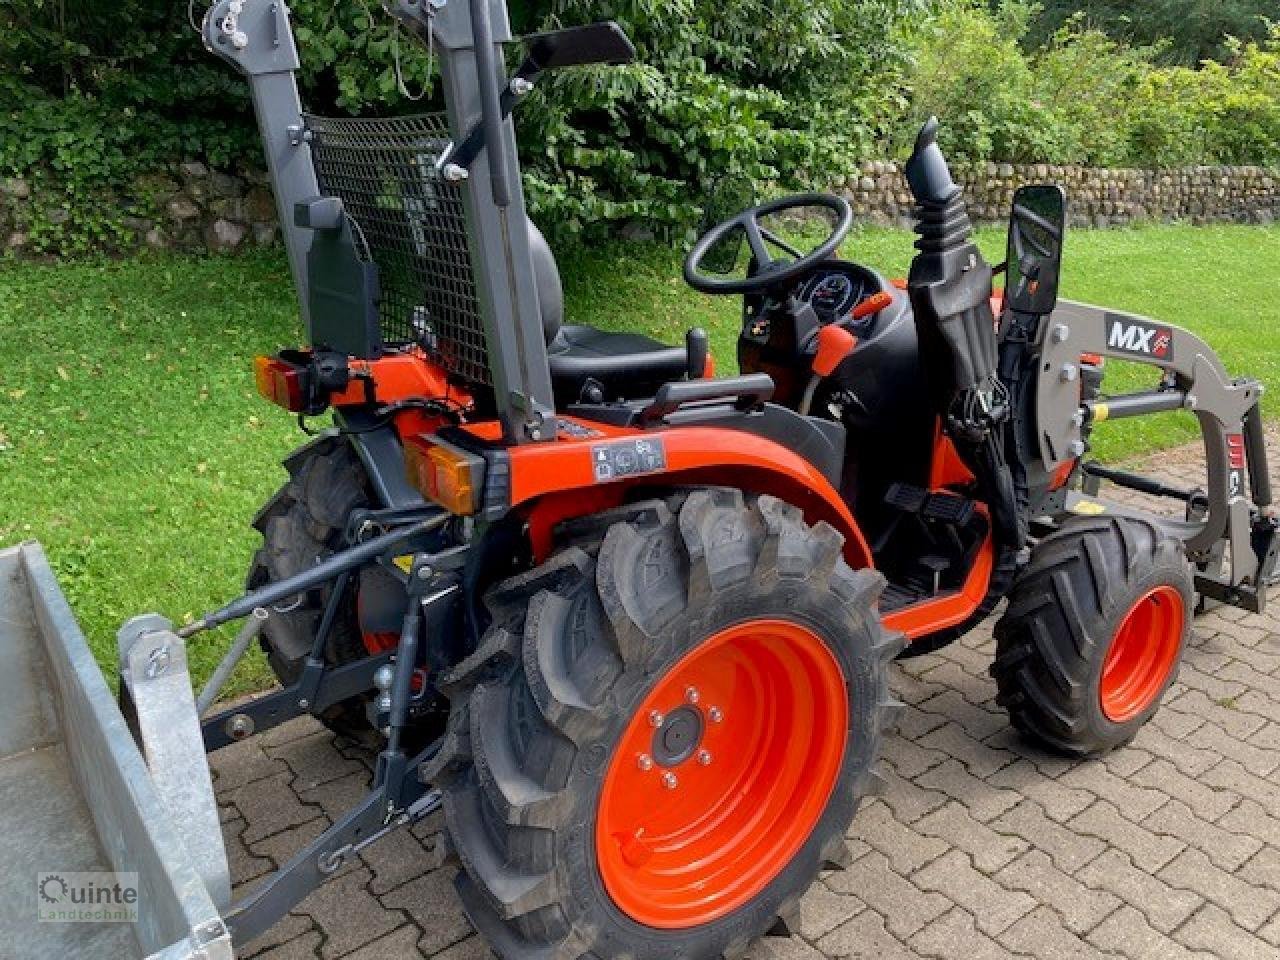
(908, 499)
(946, 508)
(936, 566)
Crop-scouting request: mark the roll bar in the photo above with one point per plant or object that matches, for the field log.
(490, 105)
(572, 46)
(255, 37)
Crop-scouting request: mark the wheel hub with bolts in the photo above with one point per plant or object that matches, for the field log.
(679, 737)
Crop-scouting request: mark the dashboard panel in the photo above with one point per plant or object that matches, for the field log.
(835, 289)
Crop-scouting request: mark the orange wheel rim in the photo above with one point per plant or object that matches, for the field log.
(1142, 654)
(722, 774)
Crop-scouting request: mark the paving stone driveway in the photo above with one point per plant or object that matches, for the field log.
(982, 847)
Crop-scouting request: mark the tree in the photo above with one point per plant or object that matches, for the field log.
(1190, 30)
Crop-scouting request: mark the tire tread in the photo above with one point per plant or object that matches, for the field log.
(524, 716)
(1062, 613)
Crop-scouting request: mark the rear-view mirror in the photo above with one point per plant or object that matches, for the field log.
(1036, 231)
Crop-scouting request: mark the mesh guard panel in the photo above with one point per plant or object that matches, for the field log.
(410, 222)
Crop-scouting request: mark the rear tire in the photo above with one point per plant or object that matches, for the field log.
(1094, 632)
(303, 523)
(543, 710)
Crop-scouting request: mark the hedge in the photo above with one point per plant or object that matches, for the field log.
(790, 93)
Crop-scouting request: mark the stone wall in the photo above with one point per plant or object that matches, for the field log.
(1098, 198)
(193, 208)
(190, 208)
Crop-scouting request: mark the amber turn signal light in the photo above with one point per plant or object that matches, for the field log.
(280, 382)
(451, 477)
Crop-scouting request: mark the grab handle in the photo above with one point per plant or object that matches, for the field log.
(751, 390)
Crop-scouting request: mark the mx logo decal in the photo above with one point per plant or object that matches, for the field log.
(1140, 339)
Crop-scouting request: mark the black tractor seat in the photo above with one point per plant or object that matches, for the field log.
(622, 365)
(607, 366)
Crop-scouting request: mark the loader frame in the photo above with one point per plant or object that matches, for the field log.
(1234, 511)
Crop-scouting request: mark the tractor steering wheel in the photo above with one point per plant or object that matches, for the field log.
(770, 271)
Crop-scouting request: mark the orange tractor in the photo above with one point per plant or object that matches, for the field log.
(631, 623)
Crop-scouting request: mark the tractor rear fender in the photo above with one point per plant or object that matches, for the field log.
(593, 466)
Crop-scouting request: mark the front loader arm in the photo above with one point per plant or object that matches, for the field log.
(1225, 408)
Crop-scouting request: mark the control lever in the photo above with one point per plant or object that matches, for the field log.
(872, 305)
(698, 346)
(834, 344)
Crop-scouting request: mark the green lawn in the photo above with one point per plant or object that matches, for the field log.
(133, 445)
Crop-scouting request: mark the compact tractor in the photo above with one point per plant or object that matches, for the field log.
(628, 622)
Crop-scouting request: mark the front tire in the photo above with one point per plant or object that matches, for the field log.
(1094, 632)
(665, 733)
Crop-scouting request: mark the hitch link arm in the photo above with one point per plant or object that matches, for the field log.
(329, 569)
(322, 858)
